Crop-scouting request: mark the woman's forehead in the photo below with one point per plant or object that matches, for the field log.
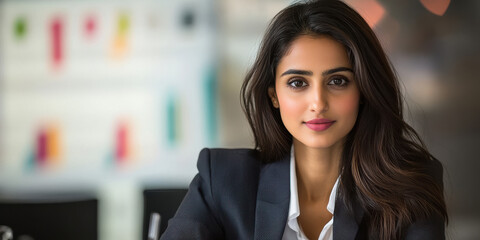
(315, 52)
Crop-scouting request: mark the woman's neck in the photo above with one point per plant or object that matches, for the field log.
(316, 170)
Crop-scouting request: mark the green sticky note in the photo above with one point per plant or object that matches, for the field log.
(210, 100)
(30, 161)
(20, 28)
(172, 119)
(123, 24)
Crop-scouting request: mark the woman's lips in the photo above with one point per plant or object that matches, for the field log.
(319, 124)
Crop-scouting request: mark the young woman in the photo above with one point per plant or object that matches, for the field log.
(333, 159)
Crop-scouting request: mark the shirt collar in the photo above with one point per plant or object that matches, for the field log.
(294, 209)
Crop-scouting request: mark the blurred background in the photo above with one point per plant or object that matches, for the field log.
(105, 100)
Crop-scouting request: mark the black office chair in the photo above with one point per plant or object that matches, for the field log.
(51, 219)
(162, 201)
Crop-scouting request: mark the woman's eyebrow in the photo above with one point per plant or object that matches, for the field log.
(297, 72)
(310, 73)
(334, 70)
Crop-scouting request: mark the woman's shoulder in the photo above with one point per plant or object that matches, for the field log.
(231, 153)
(222, 159)
(225, 171)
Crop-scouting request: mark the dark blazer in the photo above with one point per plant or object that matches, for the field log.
(234, 196)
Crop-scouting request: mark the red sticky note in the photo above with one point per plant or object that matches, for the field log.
(90, 26)
(41, 147)
(122, 143)
(56, 37)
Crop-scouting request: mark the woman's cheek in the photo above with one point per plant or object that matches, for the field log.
(349, 104)
(290, 107)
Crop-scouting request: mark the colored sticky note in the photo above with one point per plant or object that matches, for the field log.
(20, 28)
(41, 147)
(122, 145)
(90, 26)
(123, 24)
(53, 144)
(210, 93)
(30, 161)
(172, 120)
(56, 41)
(48, 146)
(120, 42)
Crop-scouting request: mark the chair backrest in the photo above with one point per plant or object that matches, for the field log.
(162, 201)
(51, 219)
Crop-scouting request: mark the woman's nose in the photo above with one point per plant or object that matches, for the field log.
(318, 101)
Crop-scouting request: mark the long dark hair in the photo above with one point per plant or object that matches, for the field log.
(385, 165)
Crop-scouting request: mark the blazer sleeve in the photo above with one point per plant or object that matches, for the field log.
(197, 218)
(432, 228)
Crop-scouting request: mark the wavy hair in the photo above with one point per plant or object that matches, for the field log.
(385, 165)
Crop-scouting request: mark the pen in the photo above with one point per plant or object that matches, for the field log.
(5, 233)
(154, 226)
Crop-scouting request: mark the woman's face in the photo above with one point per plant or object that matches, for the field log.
(316, 92)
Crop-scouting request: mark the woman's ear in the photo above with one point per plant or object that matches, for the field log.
(273, 97)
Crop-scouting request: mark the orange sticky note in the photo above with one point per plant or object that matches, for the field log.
(53, 144)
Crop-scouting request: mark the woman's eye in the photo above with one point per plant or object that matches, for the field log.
(338, 82)
(297, 83)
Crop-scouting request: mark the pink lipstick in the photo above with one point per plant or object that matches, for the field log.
(319, 124)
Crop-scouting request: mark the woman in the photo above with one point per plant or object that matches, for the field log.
(333, 159)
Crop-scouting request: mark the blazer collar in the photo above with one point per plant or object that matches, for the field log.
(346, 223)
(273, 198)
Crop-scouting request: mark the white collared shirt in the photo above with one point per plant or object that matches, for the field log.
(293, 230)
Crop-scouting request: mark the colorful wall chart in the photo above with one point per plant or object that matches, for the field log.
(62, 62)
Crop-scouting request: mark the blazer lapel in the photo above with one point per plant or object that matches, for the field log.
(346, 223)
(273, 199)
